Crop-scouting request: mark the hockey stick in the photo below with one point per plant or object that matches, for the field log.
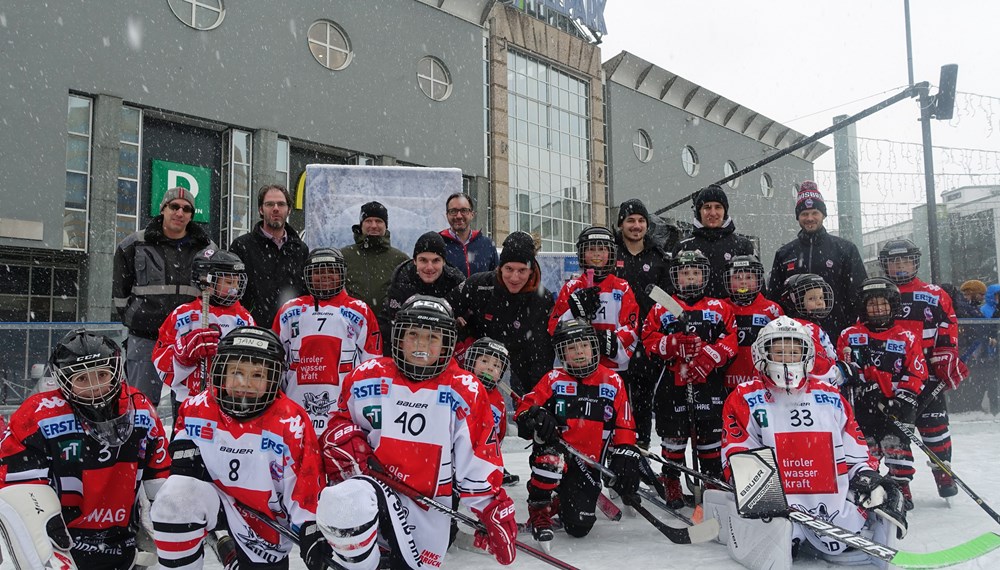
(943, 465)
(377, 471)
(658, 502)
(283, 531)
(206, 295)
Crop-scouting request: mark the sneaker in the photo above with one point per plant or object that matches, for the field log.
(945, 483)
(509, 479)
(904, 488)
(540, 519)
(675, 495)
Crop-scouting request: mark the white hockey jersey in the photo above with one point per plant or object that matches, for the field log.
(324, 340)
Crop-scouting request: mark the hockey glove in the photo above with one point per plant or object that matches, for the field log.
(608, 343)
(584, 303)
(196, 345)
(903, 407)
(185, 459)
(315, 550)
(536, 422)
(345, 451)
(875, 376)
(948, 367)
(501, 528)
(681, 346)
(706, 361)
(873, 491)
(626, 464)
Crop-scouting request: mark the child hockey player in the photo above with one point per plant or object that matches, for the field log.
(184, 342)
(489, 361)
(695, 347)
(428, 423)
(927, 312)
(892, 372)
(808, 299)
(743, 280)
(586, 405)
(241, 444)
(825, 465)
(600, 297)
(95, 440)
(326, 334)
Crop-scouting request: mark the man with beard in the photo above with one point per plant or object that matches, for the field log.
(274, 256)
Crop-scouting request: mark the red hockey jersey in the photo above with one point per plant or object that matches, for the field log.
(618, 312)
(893, 358)
(928, 313)
(709, 319)
(749, 318)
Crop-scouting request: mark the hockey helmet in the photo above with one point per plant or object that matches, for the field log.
(423, 337)
(247, 371)
(495, 363)
(588, 245)
(901, 252)
(325, 272)
(881, 316)
(807, 296)
(784, 353)
(567, 334)
(684, 280)
(744, 278)
(221, 271)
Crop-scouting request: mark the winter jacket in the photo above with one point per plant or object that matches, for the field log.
(834, 259)
(405, 284)
(479, 255)
(642, 271)
(370, 263)
(517, 320)
(719, 245)
(273, 275)
(989, 308)
(152, 275)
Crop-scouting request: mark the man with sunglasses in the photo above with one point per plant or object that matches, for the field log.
(152, 277)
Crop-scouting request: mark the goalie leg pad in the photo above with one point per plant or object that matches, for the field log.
(754, 543)
(184, 511)
(32, 530)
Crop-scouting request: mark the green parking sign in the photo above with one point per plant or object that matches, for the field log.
(197, 180)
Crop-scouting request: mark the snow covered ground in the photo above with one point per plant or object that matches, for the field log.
(634, 544)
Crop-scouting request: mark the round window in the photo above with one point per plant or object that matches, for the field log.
(642, 145)
(201, 15)
(728, 169)
(766, 185)
(689, 158)
(433, 78)
(329, 45)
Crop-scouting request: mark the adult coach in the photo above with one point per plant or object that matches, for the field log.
(468, 250)
(834, 259)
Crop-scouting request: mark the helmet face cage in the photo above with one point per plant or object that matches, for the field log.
(325, 273)
(738, 281)
(784, 354)
(802, 293)
(681, 270)
(414, 344)
(567, 335)
(492, 359)
(879, 288)
(593, 239)
(899, 251)
(223, 273)
(233, 286)
(245, 384)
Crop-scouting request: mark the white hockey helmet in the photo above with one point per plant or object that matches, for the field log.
(784, 353)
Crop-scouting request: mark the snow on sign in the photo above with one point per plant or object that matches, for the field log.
(414, 197)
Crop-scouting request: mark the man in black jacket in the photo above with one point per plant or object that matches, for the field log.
(425, 274)
(274, 256)
(715, 236)
(834, 259)
(152, 276)
(642, 264)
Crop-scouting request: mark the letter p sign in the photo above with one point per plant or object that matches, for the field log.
(197, 179)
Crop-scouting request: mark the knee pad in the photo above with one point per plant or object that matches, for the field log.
(755, 544)
(577, 530)
(348, 515)
(183, 499)
(547, 470)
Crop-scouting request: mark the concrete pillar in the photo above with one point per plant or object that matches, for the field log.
(265, 159)
(96, 277)
(845, 152)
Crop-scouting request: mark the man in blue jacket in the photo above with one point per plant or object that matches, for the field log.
(468, 250)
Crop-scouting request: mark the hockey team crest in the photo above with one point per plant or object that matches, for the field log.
(317, 404)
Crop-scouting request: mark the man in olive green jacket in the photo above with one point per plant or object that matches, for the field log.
(372, 259)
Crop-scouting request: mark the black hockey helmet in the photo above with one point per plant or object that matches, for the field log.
(684, 260)
(880, 288)
(570, 332)
(899, 249)
(797, 290)
(596, 237)
(487, 347)
(422, 322)
(742, 293)
(211, 266)
(247, 371)
(325, 272)
(89, 369)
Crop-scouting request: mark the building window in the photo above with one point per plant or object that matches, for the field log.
(236, 167)
(129, 159)
(728, 169)
(642, 145)
(201, 15)
(689, 158)
(35, 293)
(433, 78)
(330, 45)
(79, 119)
(766, 185)
(548, 151)
(281, 163)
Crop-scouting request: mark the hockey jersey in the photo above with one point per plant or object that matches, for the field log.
(595, 409)
(816, 440)
(892, 358)
(181, 321)
(749, 318)
(324, 340)
(709, 319)
(436, 435)
(97, 484)
(270, 463)
(825, 362)
(928, 313)
(499, 408)
(618, 312)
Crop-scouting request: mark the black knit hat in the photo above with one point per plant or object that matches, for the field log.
(430, 242)
(375, 210)
(809, 198)
(629, 207)
(518, 247)
(710, 193)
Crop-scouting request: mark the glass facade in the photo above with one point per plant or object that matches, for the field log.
(236, 210)
(548, 151)
(129, 159)
(79, 119)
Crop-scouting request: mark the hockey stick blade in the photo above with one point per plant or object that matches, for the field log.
(658, 502)
(703, 532)
(663, 298)
(377, 471)
(607, 507)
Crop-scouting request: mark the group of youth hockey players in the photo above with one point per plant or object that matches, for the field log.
(303, 433)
